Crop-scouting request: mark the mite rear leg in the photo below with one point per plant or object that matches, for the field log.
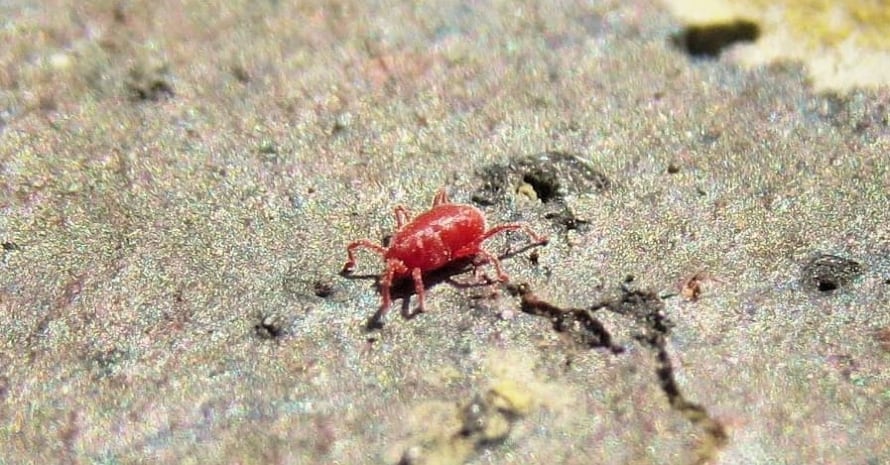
(403, 216)
(490, 258)
(360, 244)
(385, 292)
(441, 197)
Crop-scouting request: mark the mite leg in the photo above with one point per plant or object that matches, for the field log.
(441, 197)
(360, 244)
(403, 216)
(417, 276)
(480, 258)
(490, 258)
(385, 287)
(514, 227)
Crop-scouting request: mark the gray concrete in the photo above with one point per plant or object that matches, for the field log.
(179, 185)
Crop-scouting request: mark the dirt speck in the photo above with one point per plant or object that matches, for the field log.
(323, 288)
(149, 83)
(269, 328)
(882, 336)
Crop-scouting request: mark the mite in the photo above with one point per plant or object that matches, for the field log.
(435, 238)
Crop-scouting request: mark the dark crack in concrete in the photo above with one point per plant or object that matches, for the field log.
(646, 310)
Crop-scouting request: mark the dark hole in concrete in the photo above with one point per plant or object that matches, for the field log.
(149, 83)
(546, 186)
(551, 175)
(323, 288)
(826, 273)
(240, 73)
(152, 91)
(709, 40)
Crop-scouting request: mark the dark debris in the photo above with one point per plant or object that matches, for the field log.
(567, 219)
(269, 328)
(306, 288)
(106, 363)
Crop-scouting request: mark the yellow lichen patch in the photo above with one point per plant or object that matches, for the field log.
(513, 379)
(866, 23)
(704, 11)
(843, 44)
(452, 432)
(507, 395)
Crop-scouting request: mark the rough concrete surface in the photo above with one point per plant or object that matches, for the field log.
(180, 181)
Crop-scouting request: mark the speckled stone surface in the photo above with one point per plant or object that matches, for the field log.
(178, 183)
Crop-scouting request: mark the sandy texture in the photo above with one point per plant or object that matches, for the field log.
(178, 185)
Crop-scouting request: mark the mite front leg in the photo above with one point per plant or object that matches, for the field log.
(514, 227)
(360, 244)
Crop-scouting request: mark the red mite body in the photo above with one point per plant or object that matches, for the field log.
(439, 236)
